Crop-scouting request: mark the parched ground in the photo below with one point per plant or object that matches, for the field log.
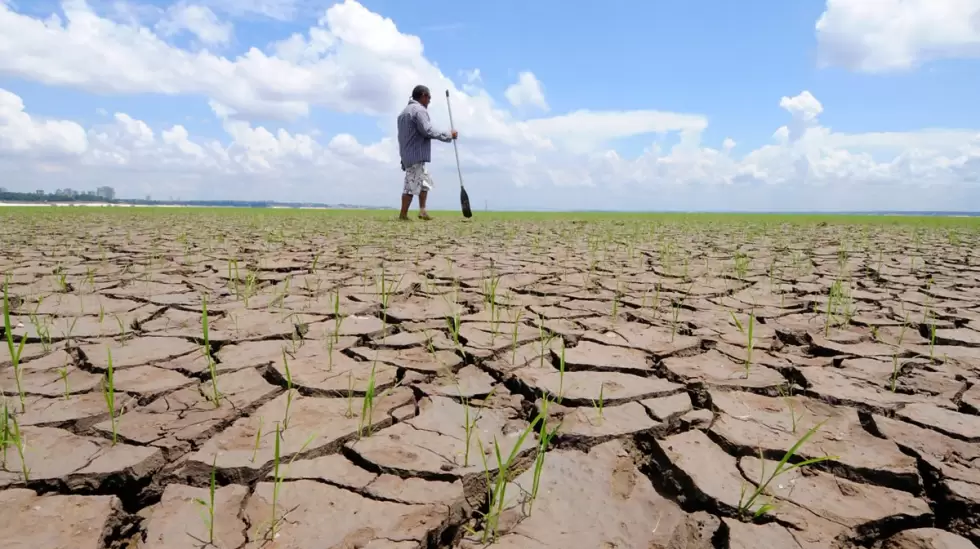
(653, 383)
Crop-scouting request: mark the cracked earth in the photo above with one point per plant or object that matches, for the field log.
(532, 384)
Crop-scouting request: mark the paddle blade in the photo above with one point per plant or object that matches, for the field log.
(464, 201)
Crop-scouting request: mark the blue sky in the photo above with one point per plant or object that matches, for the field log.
(164, 98)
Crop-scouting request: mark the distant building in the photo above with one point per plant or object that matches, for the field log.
(105, 193)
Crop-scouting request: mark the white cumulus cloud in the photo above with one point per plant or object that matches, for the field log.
(197, 20)
(526, 92)
(887, 35)
(22, 134)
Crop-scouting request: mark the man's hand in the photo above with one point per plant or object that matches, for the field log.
(454, 134)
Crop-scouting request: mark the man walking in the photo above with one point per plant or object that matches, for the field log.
(415, 135)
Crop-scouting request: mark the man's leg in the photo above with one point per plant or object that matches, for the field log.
(424, 186)
(411, 187)
(406, 204)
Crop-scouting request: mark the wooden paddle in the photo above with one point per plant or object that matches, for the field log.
(464, 199)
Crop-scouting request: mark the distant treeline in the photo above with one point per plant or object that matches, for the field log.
(237, 204)
(215, 203)
(89, 197)
(9, 196)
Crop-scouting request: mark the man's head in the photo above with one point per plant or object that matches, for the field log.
(421, 94)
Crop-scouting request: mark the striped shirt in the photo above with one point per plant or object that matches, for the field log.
(415, 135)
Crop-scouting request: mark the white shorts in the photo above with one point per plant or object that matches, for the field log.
(417, 179)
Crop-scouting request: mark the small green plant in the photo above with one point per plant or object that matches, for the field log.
(258, 440)
(71, 329)
(209, 505)
(498, 489)
(274, 522)
(63, 281)
(15, 352)
(122, 330)
(787, 397)
(385, 290)
(905, 327)
(839, 302)
(926, 311)
(749, 339)
(350, 394)
(337, 315)
(280, 299)
(517, 325)
(490, 292)
(63, 372)
(953, 237)
(469, 423)
(738, 323)
(296, 338)
(251, 279)
(17, 439)
(831, 296)
(746, 505)
(895, 372)
(289, 390)
(615, 303)
(842, 255)
(468, 426)
(367, 406)
(674, 321)
(453, 323)
(109, 393)
(741, 263)
(544, 440)
(43, 332)
(598, 404)
(5, 433)
(656, 301)
(277, 480)
(212, 366)
(233, 277)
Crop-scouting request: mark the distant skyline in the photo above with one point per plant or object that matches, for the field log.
(835, 105)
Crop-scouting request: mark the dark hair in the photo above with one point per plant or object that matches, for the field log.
(419, 91)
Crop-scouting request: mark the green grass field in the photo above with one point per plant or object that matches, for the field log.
(19, 214)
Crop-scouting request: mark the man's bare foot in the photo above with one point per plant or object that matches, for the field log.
(424, 216)
(403, 218)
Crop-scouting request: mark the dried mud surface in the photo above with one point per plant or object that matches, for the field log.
(676, 363)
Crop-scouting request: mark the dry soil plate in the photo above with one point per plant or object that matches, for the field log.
(372, 376)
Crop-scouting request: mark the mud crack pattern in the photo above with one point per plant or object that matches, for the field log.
(369, 372)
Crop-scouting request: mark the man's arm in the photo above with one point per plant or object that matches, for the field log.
(425, 126)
